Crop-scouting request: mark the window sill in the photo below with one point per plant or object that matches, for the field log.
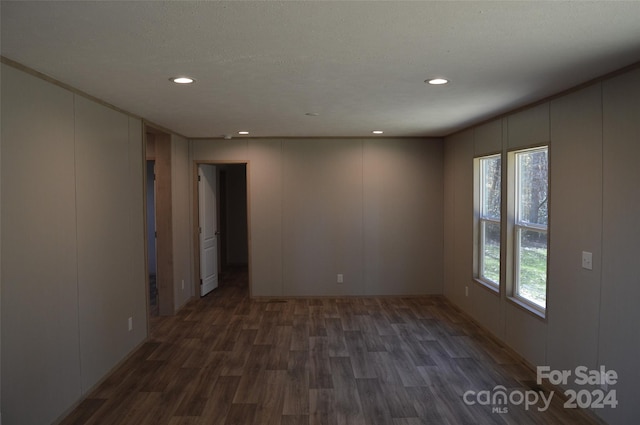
(488, 286)
(528, 308)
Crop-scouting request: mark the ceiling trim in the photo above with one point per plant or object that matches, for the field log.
(319, 138)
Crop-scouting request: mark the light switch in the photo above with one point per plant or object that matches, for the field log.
(587, 260)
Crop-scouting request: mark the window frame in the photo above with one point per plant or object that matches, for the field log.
(516, 226)
(481, 219)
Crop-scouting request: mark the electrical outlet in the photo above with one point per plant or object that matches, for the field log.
(183, 284)
(130, 324)
(340, 278)
(466, 291)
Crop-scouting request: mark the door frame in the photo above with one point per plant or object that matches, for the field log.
(161, 142)
(151, 255)
(196, 220)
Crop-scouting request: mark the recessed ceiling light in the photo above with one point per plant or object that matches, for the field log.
(436, 81)
(377, 131)
(243, 132)
(182, 80)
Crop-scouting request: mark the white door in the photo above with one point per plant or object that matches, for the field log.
(208, 228)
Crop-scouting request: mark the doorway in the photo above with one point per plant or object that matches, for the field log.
(231, 226)
(234, 247)
(209, 229)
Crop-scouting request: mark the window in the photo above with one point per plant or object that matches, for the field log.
(488, 201)
(531, 214)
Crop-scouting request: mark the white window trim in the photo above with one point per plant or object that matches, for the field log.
(479, 219)
(513, 241)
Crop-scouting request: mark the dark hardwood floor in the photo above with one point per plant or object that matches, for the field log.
(227, 359)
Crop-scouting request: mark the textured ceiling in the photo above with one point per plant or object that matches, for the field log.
(260, 66)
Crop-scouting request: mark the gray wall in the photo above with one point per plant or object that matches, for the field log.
(592, 316)
(369, 209)
(72, 245)
(619, 338)
(0, 250)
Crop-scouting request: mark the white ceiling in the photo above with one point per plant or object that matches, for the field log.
(260, 66)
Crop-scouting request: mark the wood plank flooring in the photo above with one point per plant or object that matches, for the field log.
(228, 360)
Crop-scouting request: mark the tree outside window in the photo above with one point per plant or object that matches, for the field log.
(530, 227)
(488, 185)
